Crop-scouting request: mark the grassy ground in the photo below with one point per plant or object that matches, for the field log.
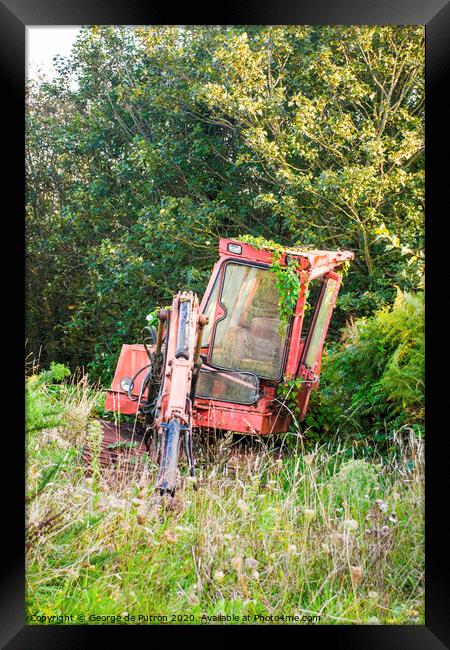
(263, 535)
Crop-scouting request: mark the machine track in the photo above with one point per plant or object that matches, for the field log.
(121, 446)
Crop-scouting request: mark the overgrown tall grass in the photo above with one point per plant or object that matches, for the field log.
(262, 532)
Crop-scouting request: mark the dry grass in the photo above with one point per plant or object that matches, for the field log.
(259, 533)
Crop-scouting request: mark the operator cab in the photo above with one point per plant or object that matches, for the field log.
(245, 348)
(243, 341)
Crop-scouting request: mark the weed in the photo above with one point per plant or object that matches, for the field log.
(263, 531)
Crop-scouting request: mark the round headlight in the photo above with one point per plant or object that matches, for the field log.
(126, 384)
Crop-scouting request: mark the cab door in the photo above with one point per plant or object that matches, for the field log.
(312, 353)
(245, 335)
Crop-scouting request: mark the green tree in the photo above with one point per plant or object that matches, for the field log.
(154, 142)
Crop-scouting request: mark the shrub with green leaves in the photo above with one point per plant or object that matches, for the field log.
(373, 383)
(43, 410)
(354, 483)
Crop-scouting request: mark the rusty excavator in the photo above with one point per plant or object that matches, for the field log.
(219, 364)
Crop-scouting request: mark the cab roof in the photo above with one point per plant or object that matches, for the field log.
(316, 262)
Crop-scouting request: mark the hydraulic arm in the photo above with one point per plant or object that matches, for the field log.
(184, 326)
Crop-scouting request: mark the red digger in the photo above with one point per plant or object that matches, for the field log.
(219, 364)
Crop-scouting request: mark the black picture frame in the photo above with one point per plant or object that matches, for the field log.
(15, 15)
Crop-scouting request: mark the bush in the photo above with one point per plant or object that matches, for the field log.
(373, 382)
(354, 483)
(41, 398)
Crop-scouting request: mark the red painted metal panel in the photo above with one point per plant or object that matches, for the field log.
(296, 343)
(319, 262)
(242, 419)
(132, 358)
(261, 418)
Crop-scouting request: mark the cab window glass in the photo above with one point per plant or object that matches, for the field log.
(228, 386)
(247, 337)
(314, 291)
(320, 322)
(210, 311)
